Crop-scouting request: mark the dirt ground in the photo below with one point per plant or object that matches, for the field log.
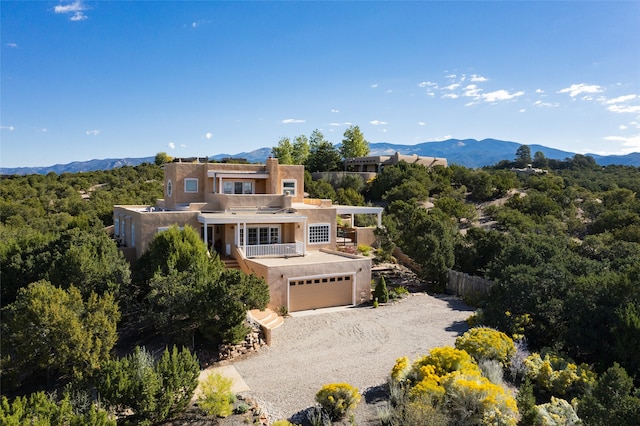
(357, 345)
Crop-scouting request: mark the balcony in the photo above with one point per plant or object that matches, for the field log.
(274, 250)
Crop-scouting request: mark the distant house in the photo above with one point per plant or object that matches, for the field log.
(256, 216)
(376, 163)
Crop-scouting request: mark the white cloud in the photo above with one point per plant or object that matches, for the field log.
(421, 123)
(450, 96)
(44, 130)
(451, 76)
(539, 91)
(623, 108)
(346, 123)
(546, 104)
(183, 145)
(171, 145)
(444, 138)
(472, 91)
(94, 132)
(208, 135)
(630, 144)
(292, 120)
(378, 122)
(478, 78)
(76, 9)
(334, 110)
(452, 86)
(500, 95)
(522, 110)
(427, 84)
(389, 91)
(620, 99)
(12, 45)
(373, 86)
(622, 127)
(9, 128)
(577, 89)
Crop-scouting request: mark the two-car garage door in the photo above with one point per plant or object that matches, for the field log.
(320, 292)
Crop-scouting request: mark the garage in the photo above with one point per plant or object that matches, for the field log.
(320, 292)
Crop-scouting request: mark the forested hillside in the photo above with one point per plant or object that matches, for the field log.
(562, 247)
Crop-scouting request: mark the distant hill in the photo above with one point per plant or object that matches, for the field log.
(465, 152)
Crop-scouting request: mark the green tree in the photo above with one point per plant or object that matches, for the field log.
(283, 151)
(41, 409)
(613, 400)
(523, 156)
(353, 143)
(323, 158)
(89, 261)
(54, 330)
(162, 158)
(300, 150)
(381, 293)
(539, 160)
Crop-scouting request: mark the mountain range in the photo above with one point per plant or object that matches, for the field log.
(465, 152)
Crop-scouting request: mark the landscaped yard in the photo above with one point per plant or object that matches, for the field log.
(354, 345)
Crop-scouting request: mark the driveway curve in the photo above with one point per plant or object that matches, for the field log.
(356, 345)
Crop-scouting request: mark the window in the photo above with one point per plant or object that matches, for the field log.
(289, 187)
(116, 227)
(133, 235)
(230, 187)
(258, 235)
(169, 188)
(190, 185)
(319, 234)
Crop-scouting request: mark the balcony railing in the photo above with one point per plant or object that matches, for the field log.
(274, 250)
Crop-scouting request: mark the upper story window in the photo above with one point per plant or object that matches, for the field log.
(289, 187)
(242, 187)
(190, 185)
(319, 233)
(169, 188)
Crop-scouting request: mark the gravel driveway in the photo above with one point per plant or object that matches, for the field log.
(355, 345)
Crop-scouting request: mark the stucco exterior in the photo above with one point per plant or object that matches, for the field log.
(258, 215)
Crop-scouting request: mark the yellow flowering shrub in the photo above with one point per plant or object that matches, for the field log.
(337, 399)
(451, 379)
(558, 375)
(487, 343)
(401, 369)
(447, 360)
(479, 401)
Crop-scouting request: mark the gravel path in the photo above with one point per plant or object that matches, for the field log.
(357, 345)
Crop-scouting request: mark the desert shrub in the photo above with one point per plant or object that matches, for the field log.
(381, 293)
(338, 399)
(450, 380)
(241, 409)
(364, 249)
(556, 412)
(558, 375)
(492, 370)
(474, 400)
(41, 409)
(487, 343)
(420, 411)
(526, 403)
(216, 398)
(152, 391)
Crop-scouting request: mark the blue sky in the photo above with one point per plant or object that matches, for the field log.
(83, 79)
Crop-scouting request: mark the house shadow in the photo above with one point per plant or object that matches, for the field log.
(458, 327)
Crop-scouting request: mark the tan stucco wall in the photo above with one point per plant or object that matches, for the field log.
(317, 215)
(146, 224)
(277, 277)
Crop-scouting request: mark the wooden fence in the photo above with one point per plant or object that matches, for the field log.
(462, 284)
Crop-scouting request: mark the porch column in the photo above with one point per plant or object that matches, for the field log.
(304, 237)
(205, 233)
(246, 237)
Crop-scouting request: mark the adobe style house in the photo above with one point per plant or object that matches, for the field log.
(257, 215)
(375, 164)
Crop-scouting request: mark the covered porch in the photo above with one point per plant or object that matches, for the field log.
(255, 234)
